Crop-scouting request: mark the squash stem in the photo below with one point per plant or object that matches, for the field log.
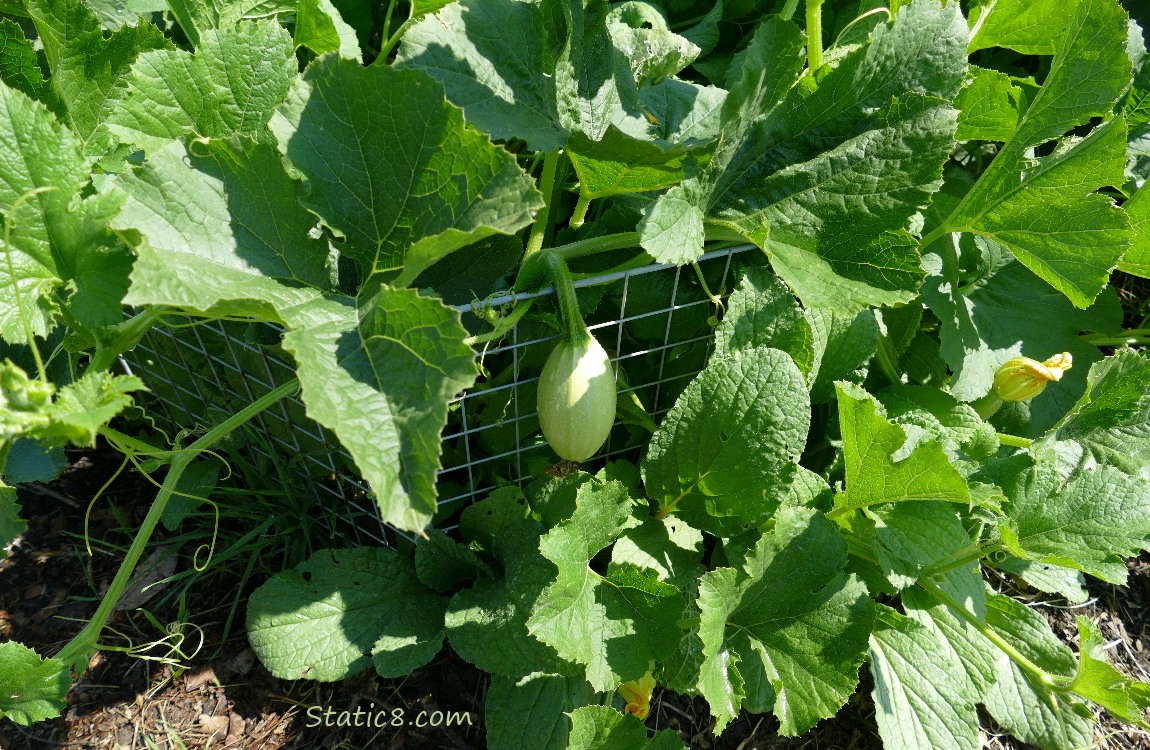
(814, 34)
(576, 329)
(77, 651)
(547, 187)
(1014, 440)
(1037, 673)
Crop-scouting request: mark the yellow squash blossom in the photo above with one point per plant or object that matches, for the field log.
(637, 693)
(1022, 378)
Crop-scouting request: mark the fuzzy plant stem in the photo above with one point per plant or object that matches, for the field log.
(574, 327)
(1039, 675)
(814, 34)
(78, 651)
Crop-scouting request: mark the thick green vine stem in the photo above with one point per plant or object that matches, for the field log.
(1039, 675)
(575, 328)
(547, 186)
(814, 34)
(78, 651)
(580, 213)
(1130, 337)
(1014, 441)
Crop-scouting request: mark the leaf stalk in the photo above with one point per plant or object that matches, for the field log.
(814, 34)
(547, 186)
(1039, 675)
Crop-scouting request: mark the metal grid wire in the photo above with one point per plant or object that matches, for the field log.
(654, 321)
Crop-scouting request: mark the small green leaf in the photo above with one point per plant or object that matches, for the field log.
(34, 409)
(989, 107)
(604, 728)
(790, 617)
(31, 689)
(83, 407)
(334, 614)
(672, 230)
(870, 443)
(1111, 422)
(320, 27)
(641, 33)
(1098, 681)
(19, 67)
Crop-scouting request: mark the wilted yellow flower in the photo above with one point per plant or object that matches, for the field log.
(1022, 378)
(637, 693)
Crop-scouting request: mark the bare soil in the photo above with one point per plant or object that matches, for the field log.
(219, 696)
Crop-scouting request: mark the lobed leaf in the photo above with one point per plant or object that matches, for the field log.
(870, 444)
(1046, 210)
(487, 623)
(789, 620)
(337, 612)
(397, 216)
(615, 625)
(230, 86)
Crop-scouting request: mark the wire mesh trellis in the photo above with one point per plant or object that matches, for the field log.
(656, 322)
